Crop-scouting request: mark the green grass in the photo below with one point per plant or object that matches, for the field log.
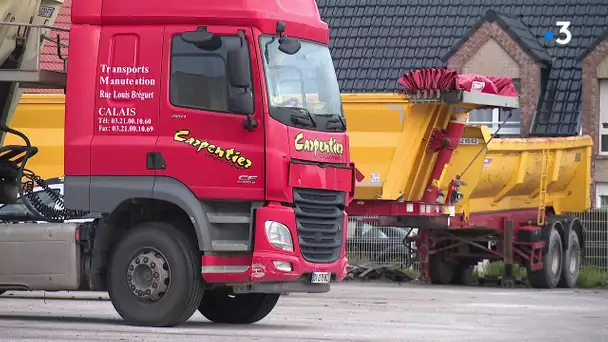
(588, 278)
(497, 269)
(592, 278)
(415, 274)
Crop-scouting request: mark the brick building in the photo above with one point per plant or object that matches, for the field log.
(563, 88)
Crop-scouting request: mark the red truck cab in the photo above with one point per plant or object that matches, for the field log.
(216, 126)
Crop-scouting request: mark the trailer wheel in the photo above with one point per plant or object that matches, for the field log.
(221, 306)
(442, 272)
(549, 275)
(571, 263)
(154, 276)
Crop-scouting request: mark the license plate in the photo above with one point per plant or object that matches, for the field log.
(320, 277)
(46, 12)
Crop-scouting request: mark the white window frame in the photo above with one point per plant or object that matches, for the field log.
(603, 115)
(601, 190)
(495, 123)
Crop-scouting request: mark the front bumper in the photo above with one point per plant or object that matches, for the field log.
(259, 272)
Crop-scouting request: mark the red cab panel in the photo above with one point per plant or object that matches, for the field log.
(205, 145)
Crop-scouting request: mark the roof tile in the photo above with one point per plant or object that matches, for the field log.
(443, 23)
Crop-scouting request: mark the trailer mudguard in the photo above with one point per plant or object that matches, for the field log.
(106, 193)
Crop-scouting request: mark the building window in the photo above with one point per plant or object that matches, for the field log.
(603, 138)
(493, 117)
(603, 202)
(601, 193)
(199, 77)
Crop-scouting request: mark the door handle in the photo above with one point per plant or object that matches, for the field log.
(155, 161)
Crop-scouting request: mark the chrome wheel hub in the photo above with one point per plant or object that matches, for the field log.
(149, 275)
(574, 262)
(557, 255)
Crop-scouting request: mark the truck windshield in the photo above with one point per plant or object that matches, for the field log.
(302, 88)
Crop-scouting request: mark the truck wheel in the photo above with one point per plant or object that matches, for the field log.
(442, 272)
(154, 276)
(220, 306)
(571, 263)
(549, 275)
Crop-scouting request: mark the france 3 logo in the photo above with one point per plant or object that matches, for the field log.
(564, 35)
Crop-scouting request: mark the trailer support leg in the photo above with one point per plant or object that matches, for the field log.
(508, 279)
(423, 256)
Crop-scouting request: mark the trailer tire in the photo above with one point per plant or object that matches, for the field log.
(442, 272)
(155, 250)
(220, 306)
(549, 275)
(571, 262)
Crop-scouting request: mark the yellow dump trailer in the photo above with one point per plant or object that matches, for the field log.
(44, 131)
(521, 173)
(511, 206)
(389, 137)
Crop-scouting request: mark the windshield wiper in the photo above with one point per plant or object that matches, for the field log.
(301, 111)
(307, 112)
(340, 121)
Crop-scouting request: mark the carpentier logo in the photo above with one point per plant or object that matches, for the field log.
(564, 35)
(318, 146)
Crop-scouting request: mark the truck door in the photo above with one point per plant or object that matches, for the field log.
(128, 79)
(204, 144)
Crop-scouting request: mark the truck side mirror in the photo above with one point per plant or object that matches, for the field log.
(289, 46)
(242, 103)
(203, 39)
(239, 76)
(239, 70)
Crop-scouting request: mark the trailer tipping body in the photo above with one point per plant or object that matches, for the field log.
(472, 196)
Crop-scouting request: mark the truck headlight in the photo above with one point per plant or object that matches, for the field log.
(279, 235)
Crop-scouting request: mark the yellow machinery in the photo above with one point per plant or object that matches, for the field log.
(507, 197)
(521, 173)
(389, 138)
(44, 131)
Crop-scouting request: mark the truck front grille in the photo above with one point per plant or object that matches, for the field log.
(320, 223)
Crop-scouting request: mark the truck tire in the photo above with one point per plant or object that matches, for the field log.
(220, 306)
(549, 275)
(571, 263)
(442, 272)
(154, 276)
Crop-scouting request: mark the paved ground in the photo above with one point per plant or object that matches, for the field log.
(350, 312)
